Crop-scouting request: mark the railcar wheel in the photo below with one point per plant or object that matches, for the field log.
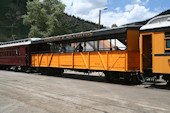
(138, 79)
(51, 71)
(166, 77)
(107, 77)
(14, 68)
(55, 72)
(135, 80)
(43, 71)
(58, 72)
(28, 70)
(111, 76)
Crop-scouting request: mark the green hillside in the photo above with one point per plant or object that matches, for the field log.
(78, 25)
(10, 15)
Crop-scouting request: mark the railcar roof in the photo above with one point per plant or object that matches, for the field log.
(160, 23)
(90, 35)
(26, 41)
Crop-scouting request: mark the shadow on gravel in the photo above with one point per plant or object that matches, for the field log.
(159, 86)
(84, 77)
(89, 78)
(93, 78)
(150, 84)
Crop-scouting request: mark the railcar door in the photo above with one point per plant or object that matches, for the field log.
(146, 53)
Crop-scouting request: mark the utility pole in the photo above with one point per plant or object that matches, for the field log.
(100, 16)
(99, 24)
(99, 19)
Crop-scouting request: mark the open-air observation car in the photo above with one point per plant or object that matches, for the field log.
(120, 56)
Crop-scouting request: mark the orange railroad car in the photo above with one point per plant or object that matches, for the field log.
(113, 59)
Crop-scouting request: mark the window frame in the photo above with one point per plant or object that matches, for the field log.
(167, 37)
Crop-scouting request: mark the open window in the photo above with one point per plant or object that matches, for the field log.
(119, 38)
(87, 46)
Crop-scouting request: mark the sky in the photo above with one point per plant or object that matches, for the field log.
(119, 11)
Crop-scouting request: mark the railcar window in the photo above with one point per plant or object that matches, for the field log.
(103, 45)
(70, 47)
(117, 45)
(18, 51)
(167, 34)
(13, 51)
(168, 43)
(53, 47)
(7, 50)
(4, 52)
(10, 50)
(89, 46)
(75, 47)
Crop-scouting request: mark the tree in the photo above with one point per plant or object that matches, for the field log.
(114, 25)
(43, 18)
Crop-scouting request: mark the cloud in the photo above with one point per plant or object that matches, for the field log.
(117, 9)
(143, 2)
(83, 6)
(89, 10)
(132, 13)
(129, 7)
(137, 1)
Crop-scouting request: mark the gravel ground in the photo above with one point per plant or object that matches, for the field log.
(78, 93)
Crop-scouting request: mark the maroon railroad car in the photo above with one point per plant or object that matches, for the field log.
(16, 54)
